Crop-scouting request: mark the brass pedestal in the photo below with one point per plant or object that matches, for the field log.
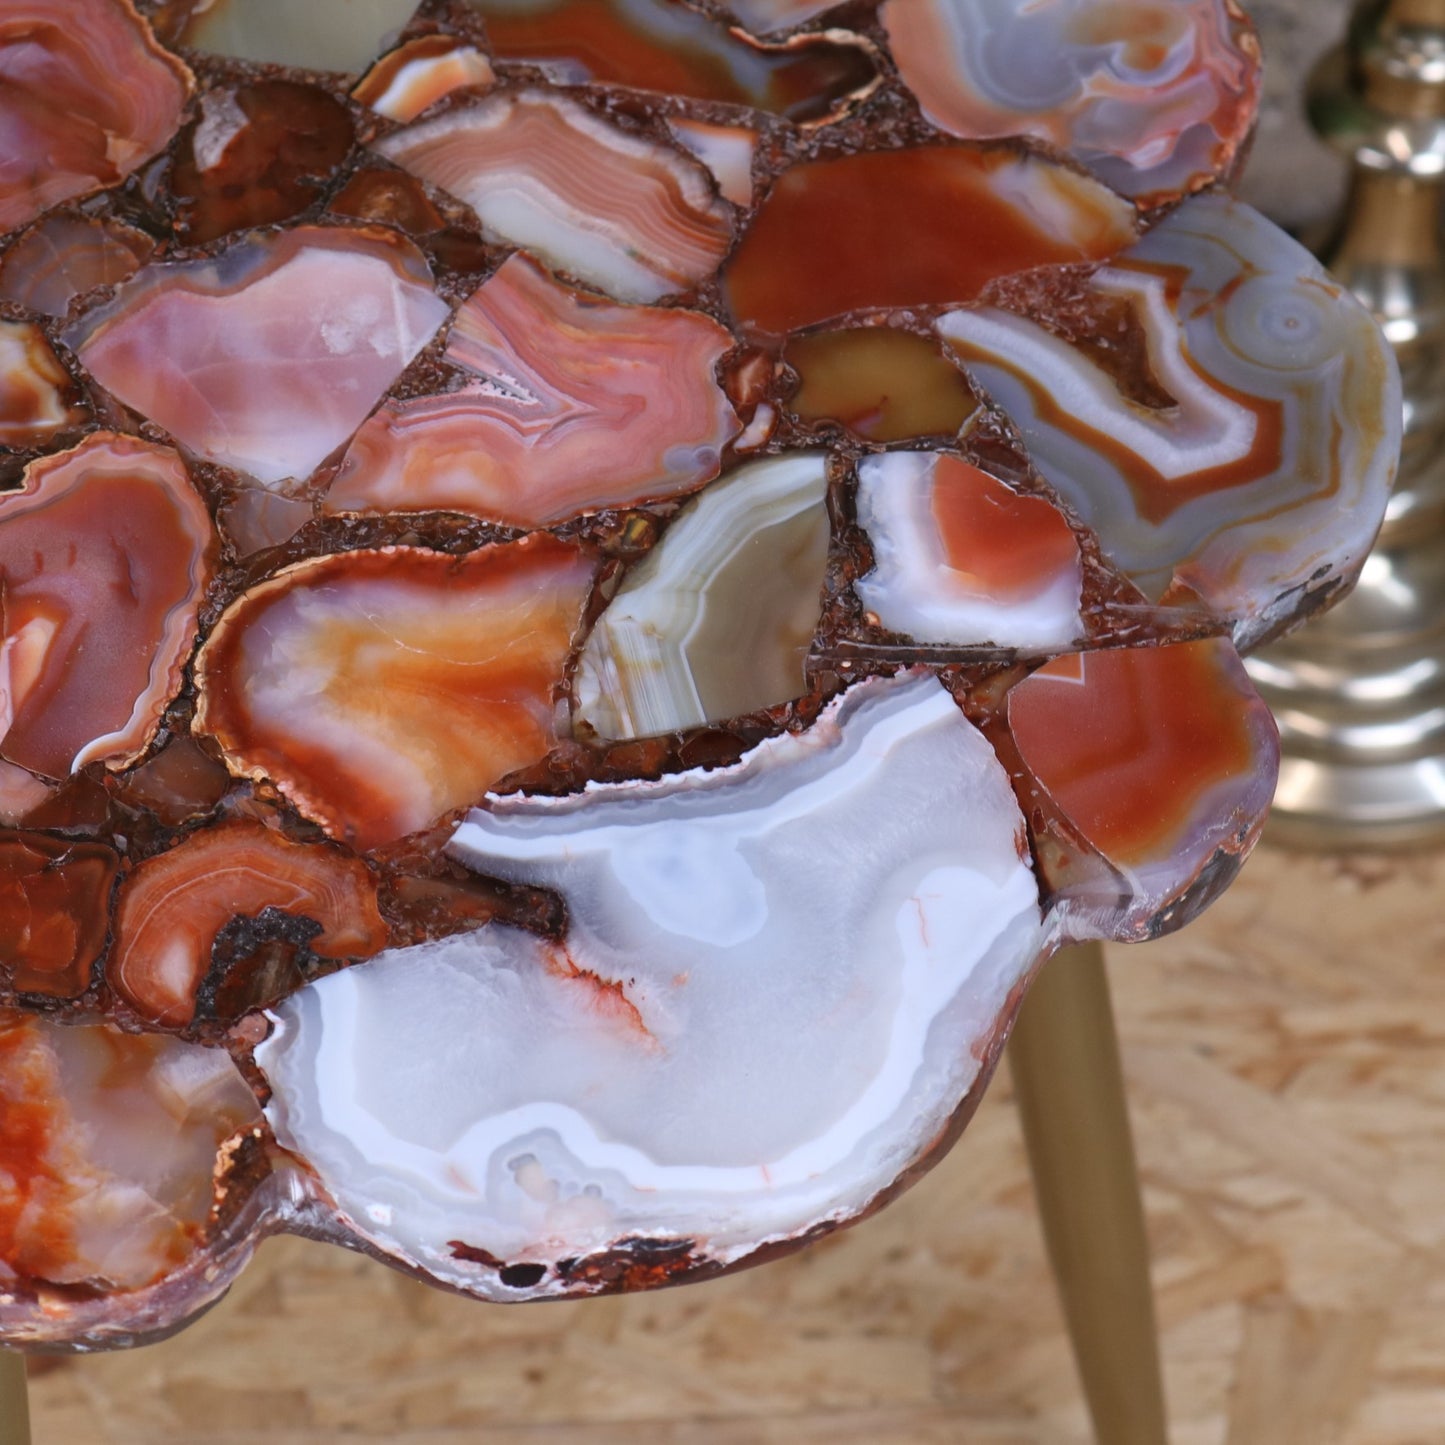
(1065, 1060)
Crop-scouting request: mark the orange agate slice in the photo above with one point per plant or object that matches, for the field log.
(382, 689)
(580, 405)
(1158, 756)
(172, 907)
(105, 554)
(917, 227)
(86, 95)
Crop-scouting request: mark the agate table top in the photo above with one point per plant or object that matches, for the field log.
(588, 589)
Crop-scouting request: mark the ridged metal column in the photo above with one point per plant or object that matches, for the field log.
(1360, 692)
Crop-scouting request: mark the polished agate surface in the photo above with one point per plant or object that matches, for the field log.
(588, 589)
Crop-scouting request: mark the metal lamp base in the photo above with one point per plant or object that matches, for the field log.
(1360, 692)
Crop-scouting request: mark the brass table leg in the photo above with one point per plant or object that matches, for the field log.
(1064, 1055)
(14, 1400)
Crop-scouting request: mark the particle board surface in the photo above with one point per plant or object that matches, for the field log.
(1286, 1065)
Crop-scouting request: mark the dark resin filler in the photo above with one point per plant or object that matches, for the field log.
(588, 589)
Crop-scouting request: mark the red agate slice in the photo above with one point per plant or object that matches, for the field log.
(86, 95)
(916, 227)
(1160, 759)
(381, 689)
(582, 405)
(64, 256)
(105, 554)
(1155, 98)
(267, 357)
(660, 46)
(54, 910)
(631, 217)
(172, 907)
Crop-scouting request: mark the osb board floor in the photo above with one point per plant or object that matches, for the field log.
(1286, 1063)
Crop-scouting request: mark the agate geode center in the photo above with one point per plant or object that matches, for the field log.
(586, 589)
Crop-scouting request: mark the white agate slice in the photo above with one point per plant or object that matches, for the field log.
(778, 985)
(1271, 471)
(1017, 585)
(717, 620)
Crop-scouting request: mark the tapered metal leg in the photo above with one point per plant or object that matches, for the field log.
(14, 1400)
(1065, 1060)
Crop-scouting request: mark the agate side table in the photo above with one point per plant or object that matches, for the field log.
(588, 591)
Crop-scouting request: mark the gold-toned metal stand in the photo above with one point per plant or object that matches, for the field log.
(1360, 693)
(14, 1400)
(1065, 1060)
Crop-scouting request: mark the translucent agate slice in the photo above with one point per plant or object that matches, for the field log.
(1161, 759)
(718, 619)
(381, 689)
(63, 256)
(339, 35)
(887, 245)
(86, 95)
(618, 212)
(1156, 99)
(54, 908)
(269, 356)
(33, 388)
(961, 558)
(112, 1142)
(641, 1102)
(582, 405)
(105, 554)
(1270, 472)
(882, 384)
(663, 46)
(418, 74)
(763, 17)
(257, 155)
(171, 908)
(726, 150)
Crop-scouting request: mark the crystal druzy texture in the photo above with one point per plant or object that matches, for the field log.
(586, 589)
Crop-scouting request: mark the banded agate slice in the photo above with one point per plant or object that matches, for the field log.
(526, 1159)
(415, 76)
(1155, 99)
(579, 405)
(1265, 475)
(618, 212)
(86, 95)
(718, 619)
(63, 256)
(105, 555)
